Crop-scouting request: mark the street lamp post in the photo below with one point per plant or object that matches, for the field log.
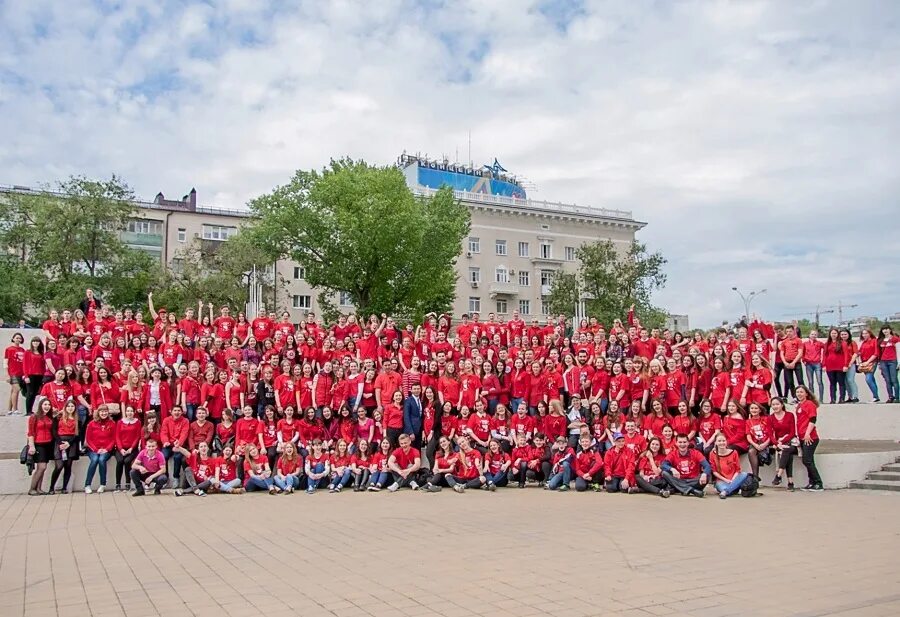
(748, 299)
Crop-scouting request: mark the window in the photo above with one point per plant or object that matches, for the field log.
(546, 250)
(501, 275)
(524, 249)
(302, 302)
(474, 245)
(525, 307)
(344, 299)
(546, 277)
(475, 275)
(501, 247)
(545, 307)
(570, 253)
(299, 273)
(524, 278)
(177, 265)
(474, 304)
(218, 232)
(144, 226)
(182, 234)
(501, 307)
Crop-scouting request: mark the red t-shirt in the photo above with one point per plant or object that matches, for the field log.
(407, 459)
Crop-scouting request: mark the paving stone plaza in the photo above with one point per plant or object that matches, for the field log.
(514, 553)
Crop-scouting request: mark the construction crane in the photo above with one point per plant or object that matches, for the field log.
(820, 310)
(839, 307)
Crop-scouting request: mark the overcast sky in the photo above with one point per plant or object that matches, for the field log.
(760, 141)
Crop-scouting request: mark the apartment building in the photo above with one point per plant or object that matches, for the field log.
(515, 247)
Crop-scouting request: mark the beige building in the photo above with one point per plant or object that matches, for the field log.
(515, 247)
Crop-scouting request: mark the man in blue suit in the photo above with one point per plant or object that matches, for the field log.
(412, 416)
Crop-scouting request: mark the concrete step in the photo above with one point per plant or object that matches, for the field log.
(883, 475)
(879, 485)
(893, 467)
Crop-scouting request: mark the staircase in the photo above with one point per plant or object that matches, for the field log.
(888, 479)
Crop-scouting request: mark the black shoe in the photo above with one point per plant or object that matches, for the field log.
(157, 491)
(64, 491)
(521, 485)
(816, 488)
(664, 493)
(790, 486)
(807, 487)
(51, 492)
(776, 481)
(697, 492)
(138, 494)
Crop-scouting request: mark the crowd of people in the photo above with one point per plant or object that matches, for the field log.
(204, 403)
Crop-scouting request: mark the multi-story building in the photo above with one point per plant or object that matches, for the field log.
(514, 249)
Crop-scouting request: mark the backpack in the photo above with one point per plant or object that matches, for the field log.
(750, 487)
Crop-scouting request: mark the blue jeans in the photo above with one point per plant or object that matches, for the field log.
(563, 476)
(287, 482)
(731, 487)
(312, 485)
(514, 405)
(380, 478)
(255, 483)
(852, 390)
(873, 385)
(177, 461)
(344, 480)
(96, 460)
(815, 370)
(191, 412)
(228, 487)
(889, 372)
(498, 479)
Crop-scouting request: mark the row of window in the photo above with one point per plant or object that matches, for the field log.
(502, 306)
(545, 249)
(503, 275)
(155, 228)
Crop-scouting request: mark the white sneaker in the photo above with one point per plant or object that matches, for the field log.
(101, 489)
(393, 487)
(414, 485)
(87, 490)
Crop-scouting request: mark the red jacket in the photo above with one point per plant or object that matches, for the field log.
(165, 397)
(100, 435)
(175, 431)
(128, 435)
(620, 464)
(588, 462)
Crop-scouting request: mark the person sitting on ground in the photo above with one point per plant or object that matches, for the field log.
(404, 464)
(685, 469)
(149, 468)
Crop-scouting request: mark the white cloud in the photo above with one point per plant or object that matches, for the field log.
(757, 139)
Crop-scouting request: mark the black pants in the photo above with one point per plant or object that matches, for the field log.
(779, 369)
(32, 390)
(468, 483)
(651, 486)
(786, 460)
(614, 485)
(272, 455)
(123, 464)
(541, 476)
(793, 377)
(682, 485)
(138, 478)
(807, 455)
(393, 436)
(837, 383)
(582, 485)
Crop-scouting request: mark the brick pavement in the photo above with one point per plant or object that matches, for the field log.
(513, 553)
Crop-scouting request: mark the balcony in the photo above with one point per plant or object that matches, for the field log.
(141, 240)
(503, 289)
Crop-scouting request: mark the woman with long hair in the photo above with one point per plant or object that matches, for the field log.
(850, 375)
(65, 450)
(288, 468)
(837, 359)
(887, 361)
(40, 443)
(784, 434)
(33, 372)
(806, 412)
(649, 469)
(726, 468)
(868, 360)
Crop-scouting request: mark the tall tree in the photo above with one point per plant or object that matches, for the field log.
(358, 228)
(610, 282)
(68, 238)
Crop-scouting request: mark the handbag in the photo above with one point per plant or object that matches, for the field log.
(866, 367)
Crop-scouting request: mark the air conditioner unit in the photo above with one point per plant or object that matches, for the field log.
(474, 284)
(468, 253)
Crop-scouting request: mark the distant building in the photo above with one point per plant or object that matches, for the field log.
(514, 249)
(677, 323)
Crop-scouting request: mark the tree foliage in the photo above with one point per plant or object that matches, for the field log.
(358, 228)
(611, 281)
(64, 240)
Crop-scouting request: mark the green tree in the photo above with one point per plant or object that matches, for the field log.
(358, 228)
(68, 239)
(610, 282)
